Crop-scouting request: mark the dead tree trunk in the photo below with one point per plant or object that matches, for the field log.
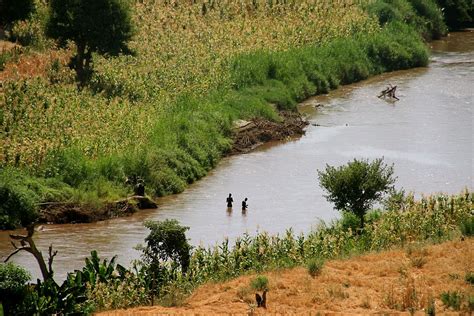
(389, 92)
(27, 244)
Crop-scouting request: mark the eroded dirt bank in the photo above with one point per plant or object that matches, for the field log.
(392, 282)
(250, 134)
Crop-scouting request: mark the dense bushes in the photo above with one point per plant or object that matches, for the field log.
(18, 205)
(457, 14)
(284, 78)
(13, 288)
(423, 15)
(13, 10)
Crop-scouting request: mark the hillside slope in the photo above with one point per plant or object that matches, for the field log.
(387, 282)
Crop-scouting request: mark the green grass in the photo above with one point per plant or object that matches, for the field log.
(259, 283)
(315, 266)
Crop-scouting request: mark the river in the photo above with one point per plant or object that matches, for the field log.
(427, 135)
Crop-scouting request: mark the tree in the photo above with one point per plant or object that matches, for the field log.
(13, 10)
(167, 242)
(101, 26)
(355, 187)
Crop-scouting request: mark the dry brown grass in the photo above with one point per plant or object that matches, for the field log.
(375, 283)
(32, 64)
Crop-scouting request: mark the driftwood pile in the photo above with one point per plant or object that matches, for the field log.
(250, 134)
(389, 92)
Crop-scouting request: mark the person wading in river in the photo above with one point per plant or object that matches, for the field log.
(229, 201)
(244, 205)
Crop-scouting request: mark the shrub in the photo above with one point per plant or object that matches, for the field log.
(19, 203)
(467, 226)
(452, 299)
(259, 283)
(357, 185)
(13, 288)
(315, 266)
(28, 32)
(469, 277)
(431, 18)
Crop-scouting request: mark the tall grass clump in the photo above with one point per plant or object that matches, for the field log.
(315, 266)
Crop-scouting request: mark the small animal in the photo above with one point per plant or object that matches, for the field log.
(261, 300)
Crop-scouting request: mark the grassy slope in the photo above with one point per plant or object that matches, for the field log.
(383, 282)
(166, 113)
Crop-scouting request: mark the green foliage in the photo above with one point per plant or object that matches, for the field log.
(19, 206)
(167, 242)
(102, 26)
(423, 15)
(30, 31)
(259, 283)
(469, 277)
(467, 226)
(13, 10)
(356, 186)
(458, 14)
(452, 299)
(13, 288)
(5, 57)
(430, 18)
(315, 266)
(470, 303)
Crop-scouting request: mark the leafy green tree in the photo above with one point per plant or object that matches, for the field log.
(13, 10)
(167, 243)
(355, 187)
(101, 26)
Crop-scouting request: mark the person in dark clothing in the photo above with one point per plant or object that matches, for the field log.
(140, 188)
(244, 205)
(229, 200)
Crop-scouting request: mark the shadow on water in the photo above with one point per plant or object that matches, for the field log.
(427, 135)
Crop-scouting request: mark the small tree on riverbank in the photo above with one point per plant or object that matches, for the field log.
(355, 187)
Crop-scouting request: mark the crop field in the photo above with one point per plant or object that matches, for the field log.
(182, 49)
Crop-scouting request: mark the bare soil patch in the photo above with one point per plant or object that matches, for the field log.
(376, 283)
(69, 212)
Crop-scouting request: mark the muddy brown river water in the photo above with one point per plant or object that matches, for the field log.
(427, 135)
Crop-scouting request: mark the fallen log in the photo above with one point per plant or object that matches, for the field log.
(389, 92)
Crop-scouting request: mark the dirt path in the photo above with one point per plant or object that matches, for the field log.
(388, 282)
